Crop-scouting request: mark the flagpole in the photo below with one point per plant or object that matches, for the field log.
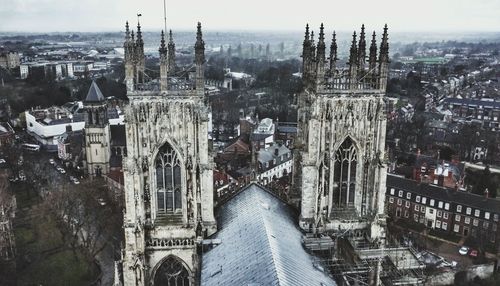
(165, 14)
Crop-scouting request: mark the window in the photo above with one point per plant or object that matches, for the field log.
(487, 215)
(391, 200)
(422, 209)
(468, 211)
(456, 228)
(457, 217)
(447, 206)
(459, 208)
(407, 214)
(439, 213)
(467, 220)
(438, 224)
(168, 181)
(416, 208)
(445, 215)
(494, 227)
(476, 213)
(408, 196)
(392, 191)
(418, 199)
(495, 217)
(432, 202)
(415, 217)
(399, 202)
(475, 222)
(407, 204)
(172, 272)
(431, 211)
(440, 205)
(444, 226)
(400, 194)
(345, 166)
(424, 200)
(486, 225)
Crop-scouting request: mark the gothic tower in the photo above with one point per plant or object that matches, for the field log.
(135, 62)
(97, 135)
(171, 53)
(168, 182)
(339, 157)
(164, 64)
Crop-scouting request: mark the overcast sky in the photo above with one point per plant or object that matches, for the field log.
(110, 15)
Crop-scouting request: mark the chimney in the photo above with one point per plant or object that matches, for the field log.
(276, 151)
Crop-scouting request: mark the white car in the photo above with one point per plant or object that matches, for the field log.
(463, 250)
(51, 161)
(2, 161)
(76, 182)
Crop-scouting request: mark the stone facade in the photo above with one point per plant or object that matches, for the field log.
(339, 158)
(168, 178)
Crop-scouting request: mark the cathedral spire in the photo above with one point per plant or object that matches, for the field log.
(199, 48)
(384, 60)
(353, 60)
(333, 54)
(320, 58)
(171, 53)
(127, 32)
(361, 51)
(372, 59)
(139, 41)
(162, 43)
(163, 63)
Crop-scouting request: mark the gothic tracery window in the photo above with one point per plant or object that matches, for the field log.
(172, 273)
(168, 181)
(345, 174)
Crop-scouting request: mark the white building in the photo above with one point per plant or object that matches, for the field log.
(263, 135)
(274, 162)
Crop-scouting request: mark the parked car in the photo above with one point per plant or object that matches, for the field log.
(464, 250)
(51, 161)
(101, 201)
(473, 253)
(2, 161)
(76, 182)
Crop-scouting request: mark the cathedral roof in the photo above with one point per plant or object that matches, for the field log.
(260, 245)
(94, 94)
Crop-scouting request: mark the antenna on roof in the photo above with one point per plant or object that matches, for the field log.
(165, 14)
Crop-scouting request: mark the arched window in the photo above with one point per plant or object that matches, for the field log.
(172, 273)
(168, 181)
(345, 174)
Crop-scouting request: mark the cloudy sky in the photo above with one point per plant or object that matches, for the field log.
(110, 15)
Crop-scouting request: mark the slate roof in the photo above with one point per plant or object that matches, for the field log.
(260, 245)
(94, 94)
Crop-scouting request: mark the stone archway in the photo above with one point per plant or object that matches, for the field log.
(172, 272)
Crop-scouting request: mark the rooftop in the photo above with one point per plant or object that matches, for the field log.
(259, 227)
(444, 194)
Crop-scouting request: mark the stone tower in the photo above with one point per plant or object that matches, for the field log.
(135, 62)
(171, 53)
(340, 169)
(97, 135)
(168, 182)
(164, 64)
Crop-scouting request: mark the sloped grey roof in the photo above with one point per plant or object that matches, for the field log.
(260, 245)
(94, 94)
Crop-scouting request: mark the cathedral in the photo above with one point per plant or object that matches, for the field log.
(167, 170)
(339, 157)
(171, 234)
